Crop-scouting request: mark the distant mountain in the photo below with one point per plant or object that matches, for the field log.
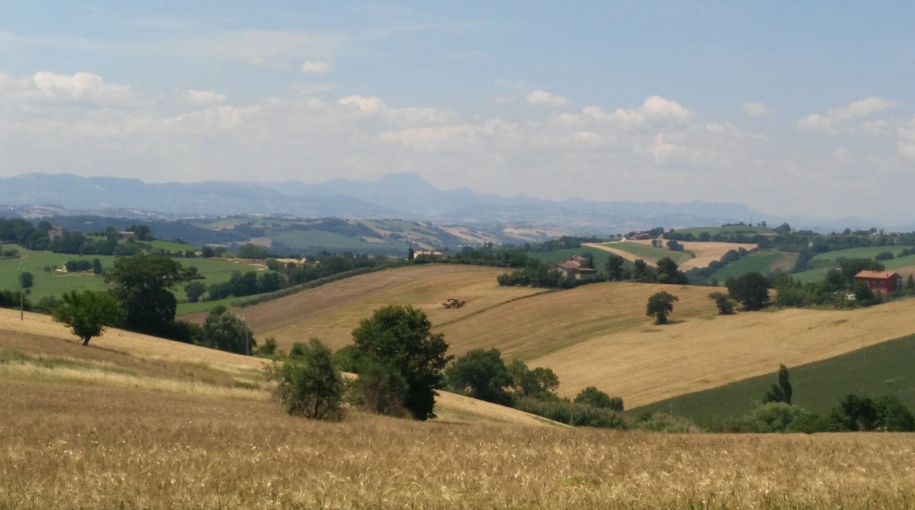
(403, 196)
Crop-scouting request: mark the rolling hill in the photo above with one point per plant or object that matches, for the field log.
(596, 335)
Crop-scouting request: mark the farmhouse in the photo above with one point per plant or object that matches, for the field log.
(576, 267)
(56, 233)
(880, 282)
(423, 254)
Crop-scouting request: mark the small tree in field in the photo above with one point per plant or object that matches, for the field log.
(660, 306)
(724, 303)
(309, 385)
(27, 280)
(594, 397)
(88, 313)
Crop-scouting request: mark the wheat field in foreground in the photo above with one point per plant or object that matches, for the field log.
(91, 447)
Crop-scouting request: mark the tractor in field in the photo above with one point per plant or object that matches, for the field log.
(452, 303)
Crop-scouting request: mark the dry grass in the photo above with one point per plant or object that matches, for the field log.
(65, 447)
(631, 257)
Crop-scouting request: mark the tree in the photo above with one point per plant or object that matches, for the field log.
(96, 267)
(751, 290)
(142, 232)
(640, 270)
(483, 372)
(252, 251)
(88, 313)
(539, 383)
(885, 255)
(401, 338)
(142, 284)
(194, 291)
(705, 237)
(782, 392)
(724, 303)
(309, 385)
(615, 265)
(207, 252)
(28, 279)
(673, 245)
(668, 272)
(410, 253)
(783, 229)
(660, 305)
(594, 397)
(225, 331)
(851, 267)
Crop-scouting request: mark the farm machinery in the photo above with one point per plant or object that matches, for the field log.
(452, 303)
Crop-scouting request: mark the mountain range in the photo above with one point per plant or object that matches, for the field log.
(403, 196)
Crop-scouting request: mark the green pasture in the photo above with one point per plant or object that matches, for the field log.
(651, 253)
(309, 240)
(867, 252)
(878, 370)
(756, 262)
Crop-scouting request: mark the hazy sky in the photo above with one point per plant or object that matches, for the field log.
(789, 107)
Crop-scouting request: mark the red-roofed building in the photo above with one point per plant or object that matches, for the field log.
(576, 268)
(881, 282)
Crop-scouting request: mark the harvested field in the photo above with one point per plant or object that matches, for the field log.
(332, 311)
(597, 334)
(705, 253)
(65, 447)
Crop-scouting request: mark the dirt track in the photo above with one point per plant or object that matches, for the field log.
(705, 253)
(625, 254)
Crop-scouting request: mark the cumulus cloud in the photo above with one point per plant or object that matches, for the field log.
(544, 98)
(756, 109)
(838, 120)
(653, 110)
(77, 87)
(316, 67)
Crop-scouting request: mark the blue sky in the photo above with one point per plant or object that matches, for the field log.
(789, 107)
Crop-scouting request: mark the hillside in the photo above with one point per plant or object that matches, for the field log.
(875, 371)
(37, 351)
(593, 335)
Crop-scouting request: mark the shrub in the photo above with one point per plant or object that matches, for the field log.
(667, 423)
(577, 415)
(309, 385)
(724, 303)
(380, 389)
(809, 423)
(269, 349)
(884, 255)
(751, 290)
(225, 331)
(595, 398)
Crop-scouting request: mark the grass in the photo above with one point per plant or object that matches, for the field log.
(311, 240)
(54, 283)
(868, 252)
(753, 262)
(650, 253)
(554, 257)
(883, 369)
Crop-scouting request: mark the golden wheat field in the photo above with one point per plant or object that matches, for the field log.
(705, 252)
(595, 335)
(138, 422)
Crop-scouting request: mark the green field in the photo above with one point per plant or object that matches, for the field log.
(555, 257)
(172, 246)
(882, 369)
(868, 252)
(310, 240)
(725, 230)
(754, 262)
(54, 283)
(651, 253)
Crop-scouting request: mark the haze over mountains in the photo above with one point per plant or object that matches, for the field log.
(404, 196)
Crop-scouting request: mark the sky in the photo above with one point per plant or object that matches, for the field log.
(787, 107)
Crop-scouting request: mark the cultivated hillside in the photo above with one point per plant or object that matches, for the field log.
(593, 335)
(38, 352)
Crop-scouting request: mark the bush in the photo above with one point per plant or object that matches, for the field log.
(751, 290)
(269, 349)
(885, 255)
(667, 423)
(809, 423)
(225, 331)
(724, 303)
(309, 385)
(595, 398)
(380, 389)
(577, 415)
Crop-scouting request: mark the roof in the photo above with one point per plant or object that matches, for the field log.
(572, 267)
(877, 275)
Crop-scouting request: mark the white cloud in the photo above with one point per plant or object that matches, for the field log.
(316, 67)
(838, 120)
(270, 48)
(655, 109)
(659, 147)
(204, 97)
(756, 109)
(80, 86)
(843, 156)
(544, 98)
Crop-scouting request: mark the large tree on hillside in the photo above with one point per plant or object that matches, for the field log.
(615, 265)
(660, 305)
(142, 286)
(669, 272)
(751, 290)
(482, 372)
(88, 313)
(400, 339)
